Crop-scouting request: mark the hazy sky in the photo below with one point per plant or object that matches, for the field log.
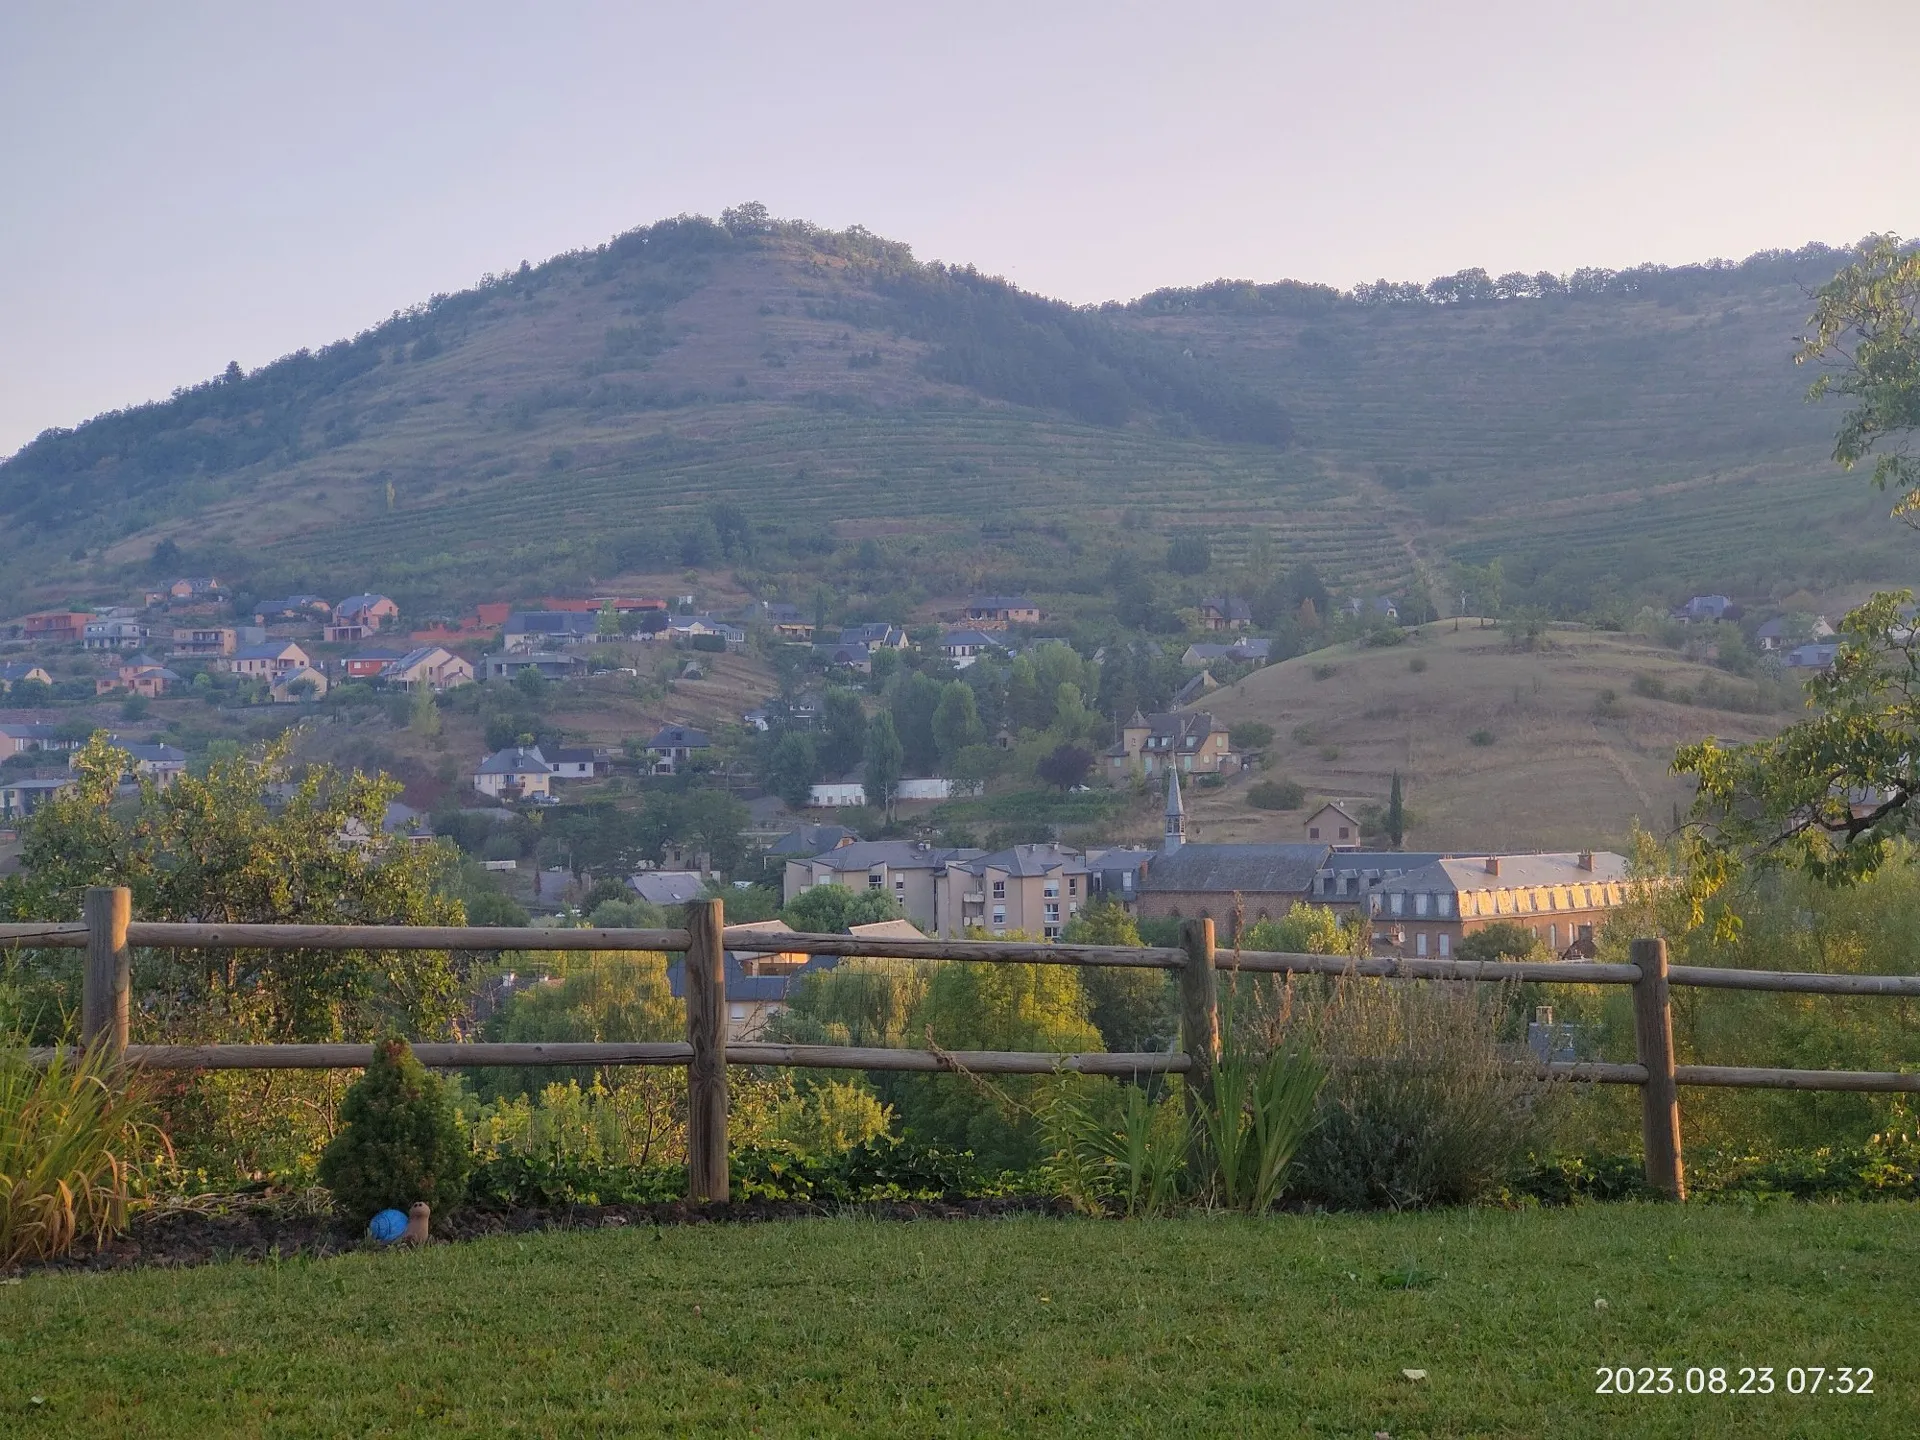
(185, 184)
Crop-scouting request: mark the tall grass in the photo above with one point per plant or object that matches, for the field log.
(1422, 1105)
(76, 1145)
(1262, 1109)
(1134, 1158)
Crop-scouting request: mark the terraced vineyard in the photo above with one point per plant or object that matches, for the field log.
(568, 422)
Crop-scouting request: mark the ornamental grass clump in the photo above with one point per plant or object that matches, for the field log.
(77, 1145)
(399, 1141)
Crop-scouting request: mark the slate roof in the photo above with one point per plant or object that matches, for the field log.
(1552, 868)
(979, 639)
(269, 651)
(357, 605)
(516, 761)
(1223, 869)
(863, 855)
(1024, 861)
(810, 840)
(550, 622)
(1342, 877)
(156, 754)
(668, 887)
(1000, 602)
(679, 737)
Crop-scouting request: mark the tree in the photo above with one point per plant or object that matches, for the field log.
(607, 623)
(1396, 814)
(1250, 736)
(531, 683)
(1189, 555)
(1502, 940)
(843, 731)
(956, 723)
(884, 761)
(916, 698)
(792, 767)
(1134, 1009)
(832, 909)
(1310, 930)
(1065, 766)
(250, 841)
(1833, 794)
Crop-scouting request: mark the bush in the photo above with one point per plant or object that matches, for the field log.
(399, 1141)
(75, 1144)
(1420, 1106)
(1276, 795)
(709, 644)
(1250, 735)
(1418, 664)
(1481, 737)
(1325, 672)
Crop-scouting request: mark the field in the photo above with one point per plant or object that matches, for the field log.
(1561, 767)
(1200, 1326)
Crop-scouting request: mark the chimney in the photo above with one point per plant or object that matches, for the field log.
(1586, 860)
(1493, 864)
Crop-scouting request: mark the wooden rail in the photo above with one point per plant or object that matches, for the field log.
(108, 935)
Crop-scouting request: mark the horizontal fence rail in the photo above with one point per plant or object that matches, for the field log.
(109, 934)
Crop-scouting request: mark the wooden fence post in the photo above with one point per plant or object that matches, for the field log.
(1660, 1096)
(108, 980)
(1199, 1023)
(707, 1034)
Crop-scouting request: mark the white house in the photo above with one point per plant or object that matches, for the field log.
(963, 647)
(828, 794)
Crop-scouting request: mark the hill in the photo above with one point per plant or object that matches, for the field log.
(1573, 747)
(767, 396)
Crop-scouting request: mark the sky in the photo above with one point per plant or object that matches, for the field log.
(189, 184)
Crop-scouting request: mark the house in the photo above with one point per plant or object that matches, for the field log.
(141, 676)
(577, 763)
(1707, 607)
(1379, 607)
(57, 627)
(1115, 875)
(1810, 657)
(903, 869)
(20, 798)
(13, 673)
(683, 629)
(291, 608)
(1225, 612)
(783, 618)
(963, 647)
(1562, 897)
(673, 746)
(668, 887)
(806, 841)
(991, 612)
(358, 616)
(831, 794)
(756, 982)
(292, 687)
(549, 663)
(844, 657)
(429, 666)
(369, 664)
(1776, 632)
(926, 787)
(116, 632)
(197, 587)
(876, 635)
(543, 629)
(205, 642)
(1332, 825)
(1191, 741)
(1034, 888)
(1244, 651)
(17, 738)
(1194, 689)
(270, 661)
(1255, 882)
(516, 773)
(756, 720)
(595, 604)
(162, 764)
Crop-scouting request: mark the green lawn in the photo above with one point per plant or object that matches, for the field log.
(1198, 1326)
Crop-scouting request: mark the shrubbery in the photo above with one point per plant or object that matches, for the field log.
(1276, 795)
(400, 1141)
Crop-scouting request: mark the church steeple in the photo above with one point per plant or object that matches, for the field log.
(1176, 834)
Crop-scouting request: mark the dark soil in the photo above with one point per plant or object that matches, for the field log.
(178, 1238)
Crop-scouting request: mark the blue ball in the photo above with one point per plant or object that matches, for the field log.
(388, 1226)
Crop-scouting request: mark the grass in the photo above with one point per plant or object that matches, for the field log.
(1193, 1326)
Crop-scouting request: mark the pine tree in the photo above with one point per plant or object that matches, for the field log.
(1396, 814)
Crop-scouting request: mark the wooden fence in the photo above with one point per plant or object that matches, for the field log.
(109, 934)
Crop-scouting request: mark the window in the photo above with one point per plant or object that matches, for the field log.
(876, 882)
(1343, 832)
(1051, 890)
(1443, 903)
(899, 882)
(1553, 936)
(1420, 943)
(1446, 945)
(999, 889)
(736, 1013)
(1313, 832)
(1053, 912)
(1000, 915)
(1073, 885)
(1398, 903)
(1420, 903)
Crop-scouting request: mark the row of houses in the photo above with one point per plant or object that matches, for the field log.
(527, 772)
(1419, 904)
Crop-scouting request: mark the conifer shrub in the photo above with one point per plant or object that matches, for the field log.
(399, 1140)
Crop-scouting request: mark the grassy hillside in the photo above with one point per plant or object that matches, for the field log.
(581, 420)
(1558, 766)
